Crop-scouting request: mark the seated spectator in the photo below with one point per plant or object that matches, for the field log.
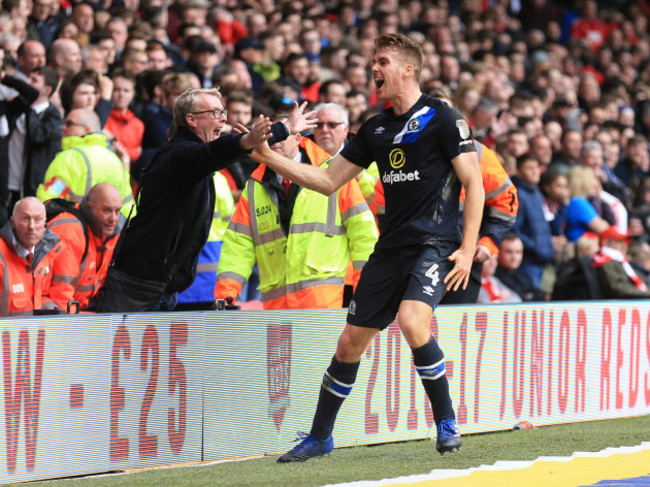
(638, 253)
(641, 204)
(555, 189)
(587, 245)
(269, 67)
(589, 27)
(569, 154)
(36, 268)
(517, 143)
(356, 103)
(576, 277)
(581, 215)
(90, 229)
(531, 226)
(509, 270)
(616, 276)
(239, 108)
(488, 124)
(613, 191)
(636, 163)
(542, 148)
(203, 62)
(492, 289)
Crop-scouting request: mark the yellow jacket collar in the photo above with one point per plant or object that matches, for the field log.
(88, 139)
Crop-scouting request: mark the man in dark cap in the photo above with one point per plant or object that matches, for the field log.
(251, 52)
(204, 61)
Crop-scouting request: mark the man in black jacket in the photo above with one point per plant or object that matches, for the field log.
(161, 245)
(35, 137)
(9, 113)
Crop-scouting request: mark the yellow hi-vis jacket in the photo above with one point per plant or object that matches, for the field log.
(85, 161)
(306, 268)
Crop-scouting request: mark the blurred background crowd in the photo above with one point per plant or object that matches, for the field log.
(559, 90)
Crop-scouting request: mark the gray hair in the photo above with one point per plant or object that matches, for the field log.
(344, 113)
(591, 145)
(188, 102)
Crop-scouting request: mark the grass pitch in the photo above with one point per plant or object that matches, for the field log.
(384, 461)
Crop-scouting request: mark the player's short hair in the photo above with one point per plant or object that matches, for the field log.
(409, 51)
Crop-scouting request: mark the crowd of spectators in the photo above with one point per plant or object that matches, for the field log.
(560, 90)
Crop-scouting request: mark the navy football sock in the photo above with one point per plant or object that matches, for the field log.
(430, 363)
(336, 386)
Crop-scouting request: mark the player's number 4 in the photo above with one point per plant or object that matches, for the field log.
(432, 274)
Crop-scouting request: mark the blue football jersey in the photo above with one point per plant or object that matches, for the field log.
(414, 152)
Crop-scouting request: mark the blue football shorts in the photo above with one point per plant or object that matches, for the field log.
(393, 275)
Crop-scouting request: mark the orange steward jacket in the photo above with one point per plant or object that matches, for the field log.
(45, 284)
(501, 203)
(91, 268)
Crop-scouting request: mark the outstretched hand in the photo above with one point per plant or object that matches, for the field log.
(298, 121)
(258, 134)
(459, 275)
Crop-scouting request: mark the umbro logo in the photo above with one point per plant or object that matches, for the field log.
(428, 290)
(379, 130)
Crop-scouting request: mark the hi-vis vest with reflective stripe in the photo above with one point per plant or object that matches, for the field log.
(501, 202)
(84, 162)
(93, 268)
(202, 289)
(306, 268)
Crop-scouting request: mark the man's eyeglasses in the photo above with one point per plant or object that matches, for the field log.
(216, 113)
(70, 123)
(330, 125)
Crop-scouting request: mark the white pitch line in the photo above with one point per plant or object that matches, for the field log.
(440, 474)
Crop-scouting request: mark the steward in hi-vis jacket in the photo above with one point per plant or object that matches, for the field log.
(36, 266)
(301, 240)
(84, 161)
(91, 230)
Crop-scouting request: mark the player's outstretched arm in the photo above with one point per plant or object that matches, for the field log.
(324, 180)
(468, 170)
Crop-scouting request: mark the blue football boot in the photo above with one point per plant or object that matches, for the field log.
(309, 447)
(448, 437)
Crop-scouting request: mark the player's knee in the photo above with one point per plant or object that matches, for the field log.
(414, 327)
(353, 343)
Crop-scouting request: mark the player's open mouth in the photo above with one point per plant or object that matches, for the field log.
(379, 83)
